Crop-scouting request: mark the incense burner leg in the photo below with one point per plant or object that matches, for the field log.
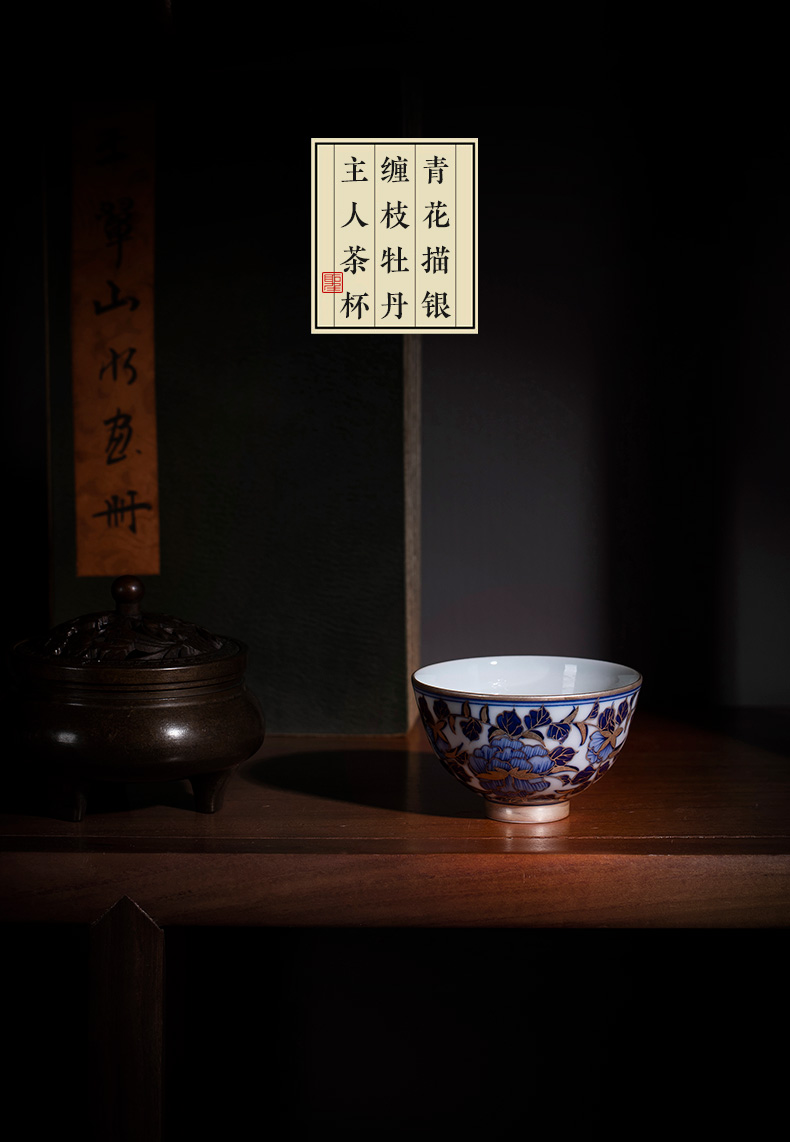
(209, 789)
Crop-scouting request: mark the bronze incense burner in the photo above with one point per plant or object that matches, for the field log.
(128, 696)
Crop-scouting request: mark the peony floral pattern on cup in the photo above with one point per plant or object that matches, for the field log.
(538, 753)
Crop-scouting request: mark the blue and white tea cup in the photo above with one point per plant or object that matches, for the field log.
(527, 732)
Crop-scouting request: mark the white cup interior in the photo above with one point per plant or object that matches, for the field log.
(527, 676)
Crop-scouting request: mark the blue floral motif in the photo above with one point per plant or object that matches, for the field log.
(434, 728)
(558, 731)
(536, 718)
(603, 741)
(599, 746)
(439, 743)
(585, 777)
(510, 723)
(472, 729)
(525, 747)
(606, 720)
(509, 765)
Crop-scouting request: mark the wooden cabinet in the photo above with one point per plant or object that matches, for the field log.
(690, 829)
(351, 906)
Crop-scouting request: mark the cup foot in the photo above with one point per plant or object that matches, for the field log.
(527, 814)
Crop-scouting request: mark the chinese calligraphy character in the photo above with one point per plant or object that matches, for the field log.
(387, 259)
(355, 259)
(435, 215)
(354, 302)
(116, 301)
(353, 216)
(117, 509)
(433, 306)
(120, 427)
(117, 225)
(355, 164)
(395, 299)
(394, 170)
(398, 212)
(436, 260)
(436, 166)
(398, 184)
(113, 365)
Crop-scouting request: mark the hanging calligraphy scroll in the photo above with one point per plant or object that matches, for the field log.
(394, 236)
(112, 339)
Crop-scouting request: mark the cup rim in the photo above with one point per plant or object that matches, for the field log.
(498, 698)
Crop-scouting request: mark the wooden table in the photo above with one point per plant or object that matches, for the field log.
(690, 828)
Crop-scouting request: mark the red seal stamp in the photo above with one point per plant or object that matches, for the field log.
(332, 281)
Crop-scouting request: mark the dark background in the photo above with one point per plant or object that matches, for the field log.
(603, 465)
(603, 473)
